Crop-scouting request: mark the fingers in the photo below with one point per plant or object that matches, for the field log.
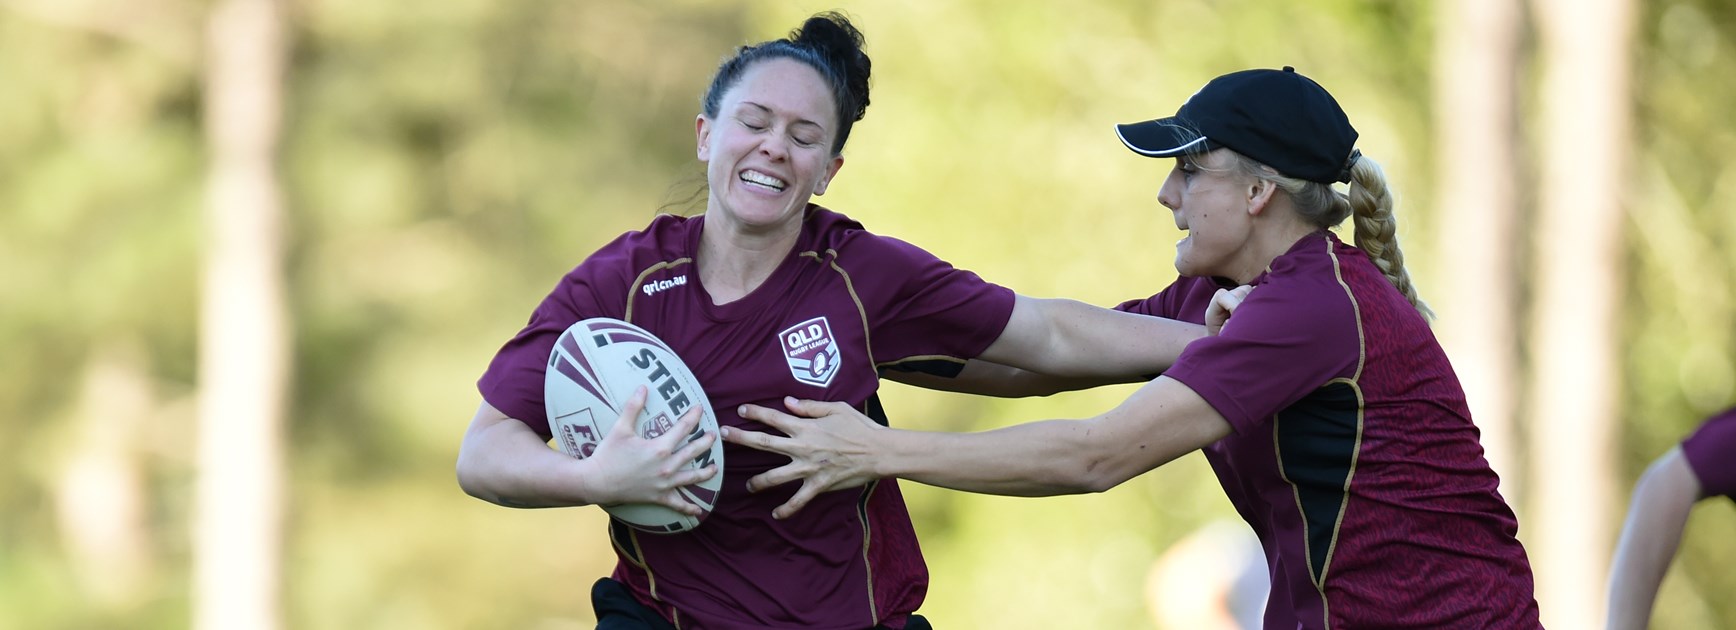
(679, 502)
(1223, 306)
(785, 474)
(1241, 292)
(1233, 297)
(682, 430)
(1225, 300)
(627, 425)
(755, 440)
(769, 417)
(698, 476)
(694, 449)
(774, 477)
(809, 490)
(815, 408)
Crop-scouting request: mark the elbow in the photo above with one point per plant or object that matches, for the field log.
(1099, 481)
(1091, 464)
(467, 480)
(1092, 476)
(470, 478)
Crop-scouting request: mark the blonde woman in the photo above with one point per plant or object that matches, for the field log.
(1329, 412)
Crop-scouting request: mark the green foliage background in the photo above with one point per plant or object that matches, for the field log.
(445, 163)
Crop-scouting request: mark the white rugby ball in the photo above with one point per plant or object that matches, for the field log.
(594, 368)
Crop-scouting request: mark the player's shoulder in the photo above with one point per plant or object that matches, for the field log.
(668, 240)
(835, 235)
(1720, 428)
(1725, 418)
(667, 237)
(1310, 278)
(826, 229)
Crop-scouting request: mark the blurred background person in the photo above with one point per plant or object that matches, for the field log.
(1701, 467)
(1212, 579)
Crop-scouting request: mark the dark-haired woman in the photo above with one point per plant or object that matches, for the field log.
(766, 296)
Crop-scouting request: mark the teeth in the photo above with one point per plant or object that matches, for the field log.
(756, 177)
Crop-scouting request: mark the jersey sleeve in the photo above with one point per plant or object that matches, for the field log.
(920, 308)
(513, 382)
(1708, 453)
(1183, 300)
(1286, 340)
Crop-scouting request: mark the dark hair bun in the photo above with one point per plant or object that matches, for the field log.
(838, 42)
(830, 45)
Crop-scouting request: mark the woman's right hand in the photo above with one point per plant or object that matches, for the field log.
(628, 468)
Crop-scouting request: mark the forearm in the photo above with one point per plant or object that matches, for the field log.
(1649, 539)
(1067, 338)
(1161, 422)
(993, 379)
(1051, 457)
(508, 465)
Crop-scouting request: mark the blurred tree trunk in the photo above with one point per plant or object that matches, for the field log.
(244, 336)
(1585, 47)
(1477, 209)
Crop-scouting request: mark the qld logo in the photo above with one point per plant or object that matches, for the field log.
(811, 351)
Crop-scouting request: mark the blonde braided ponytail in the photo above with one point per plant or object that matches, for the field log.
(1370, 201)
(1376, 228)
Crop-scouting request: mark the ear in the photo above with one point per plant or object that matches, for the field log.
(831, 171)
(1260, 193)
(702, 136)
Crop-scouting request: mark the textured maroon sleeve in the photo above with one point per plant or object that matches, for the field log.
(1709, 453)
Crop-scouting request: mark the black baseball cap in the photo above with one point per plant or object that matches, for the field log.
(1277, 117)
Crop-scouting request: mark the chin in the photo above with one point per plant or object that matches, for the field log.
(760, 215)
(1184, 268)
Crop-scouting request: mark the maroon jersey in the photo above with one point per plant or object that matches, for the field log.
(1709, 451)
(1353, 455)
(843, 305)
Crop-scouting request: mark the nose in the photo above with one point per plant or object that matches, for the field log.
(775, 147)
(1170, 194)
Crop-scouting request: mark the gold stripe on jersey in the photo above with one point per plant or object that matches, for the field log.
(868, 538)
(850, 287)
(633, 289)
(1344, 504)
(831, 260)
(1355, 454)
(635, 559)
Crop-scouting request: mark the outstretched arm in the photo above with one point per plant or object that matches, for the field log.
(503, 462)
(1662, 499)
(993, 379)
(1132, 334)
(1067, 338)
(841, 448)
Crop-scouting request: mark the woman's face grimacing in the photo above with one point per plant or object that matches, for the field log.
(770, 148)
(1210, 200)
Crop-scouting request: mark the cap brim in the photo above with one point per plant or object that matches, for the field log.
(1162, 138)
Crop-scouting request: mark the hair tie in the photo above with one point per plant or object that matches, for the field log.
(1344, 175)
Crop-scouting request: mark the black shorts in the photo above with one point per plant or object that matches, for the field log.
(617, 610)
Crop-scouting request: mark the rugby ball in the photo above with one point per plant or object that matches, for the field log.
(594, 368)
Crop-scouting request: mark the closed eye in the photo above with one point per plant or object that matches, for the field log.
(1187, 168)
